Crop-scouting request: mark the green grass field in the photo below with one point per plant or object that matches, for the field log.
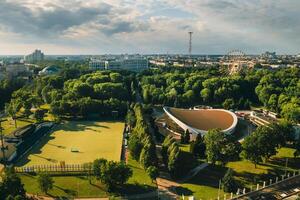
(67, 186)
(92, 140)
(205, 184)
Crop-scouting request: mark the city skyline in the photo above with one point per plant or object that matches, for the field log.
(146, 27)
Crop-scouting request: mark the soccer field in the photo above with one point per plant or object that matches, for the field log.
(77, 142)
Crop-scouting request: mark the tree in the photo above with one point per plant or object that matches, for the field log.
(220, 147)
(135, 146)
(229, 183)
(174, 164)
(197, 147)
(39, 115)
(262, 143)
(27, 105)
(115, 174)
(283, 132)
(206, 94)
(291, 112)
(250, 149)
(11, 110)
(153, 172)
(228, 104)
(98, 165)
(273, 102)
(45, 182)
(11, 185)
(213, 141)
(130, 119)
(185, 137)
(148, 155)
(297, 147)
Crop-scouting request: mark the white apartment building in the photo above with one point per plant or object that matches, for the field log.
(97, 64)
(127, 63)
(37, 55)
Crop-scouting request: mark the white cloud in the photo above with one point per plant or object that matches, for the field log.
(150, 26)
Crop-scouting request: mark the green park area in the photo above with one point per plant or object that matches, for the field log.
(205, 184)
(77, 142)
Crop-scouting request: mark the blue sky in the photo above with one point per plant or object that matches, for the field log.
(149, 26)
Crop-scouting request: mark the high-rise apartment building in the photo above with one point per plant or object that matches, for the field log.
(36, 56)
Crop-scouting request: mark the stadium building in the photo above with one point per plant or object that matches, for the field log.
(196, 121)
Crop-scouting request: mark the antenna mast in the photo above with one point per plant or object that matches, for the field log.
(190, 42)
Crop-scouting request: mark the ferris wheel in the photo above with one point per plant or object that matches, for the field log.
(235, 55)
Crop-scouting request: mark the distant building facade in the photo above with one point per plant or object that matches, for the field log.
(36, 56)
(97, 64)
(270, 55)
(15, 69)
(127, 63)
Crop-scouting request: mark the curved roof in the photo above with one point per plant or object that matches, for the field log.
(205, 119)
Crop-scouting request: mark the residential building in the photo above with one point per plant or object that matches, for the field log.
(36, 56)
(125, 63)
(97, 64)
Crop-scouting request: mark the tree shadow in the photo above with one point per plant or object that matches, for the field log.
(78, 126)
(209, 176)
(133, 189)
(292, 162)
(68, 192)
(184, 191)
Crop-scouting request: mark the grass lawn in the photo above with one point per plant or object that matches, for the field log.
(79, 186)
(9, 125)
(66, 186)
(140, 176)
(205, 184)
(92, 140)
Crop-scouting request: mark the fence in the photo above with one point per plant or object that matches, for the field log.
(54, 168)
(266, 184)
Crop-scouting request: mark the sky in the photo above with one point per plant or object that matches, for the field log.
(149, 26)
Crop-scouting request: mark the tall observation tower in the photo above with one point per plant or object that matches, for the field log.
(190, 42)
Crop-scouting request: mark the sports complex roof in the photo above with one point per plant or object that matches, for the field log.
(203, 119)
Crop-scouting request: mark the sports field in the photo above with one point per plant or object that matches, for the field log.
(77, 142)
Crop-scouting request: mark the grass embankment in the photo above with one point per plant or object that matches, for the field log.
(9, 125)
(205, 184)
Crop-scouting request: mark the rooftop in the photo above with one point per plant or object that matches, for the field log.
(204, 119)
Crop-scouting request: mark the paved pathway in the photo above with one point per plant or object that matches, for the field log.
(166, 187)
